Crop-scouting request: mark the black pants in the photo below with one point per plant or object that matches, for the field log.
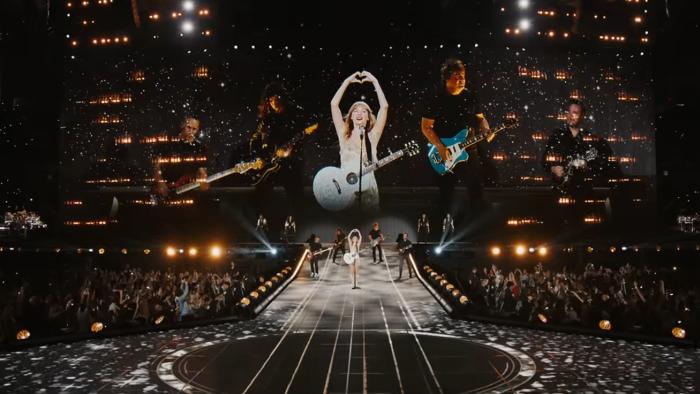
(404, 258)
(381, 253)
(314, 265)
(338, 249)
(423, 236)
(470, 175)
(290, 178)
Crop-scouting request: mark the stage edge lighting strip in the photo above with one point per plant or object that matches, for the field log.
(286, 283)
(432, 291)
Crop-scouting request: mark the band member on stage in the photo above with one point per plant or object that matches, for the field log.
(314, 247)
(261, 226)
(376, 237)
(448, 226)
(359, 132)
(423, 228)
(289, 231)
(446, 112)
(574, 157)
(354, 244)
(279, 120)
(339, 246)
(404, 248)
(169, 168)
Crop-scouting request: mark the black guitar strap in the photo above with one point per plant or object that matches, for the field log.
(368, 148)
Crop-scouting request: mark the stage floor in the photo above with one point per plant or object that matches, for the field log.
(319, 336)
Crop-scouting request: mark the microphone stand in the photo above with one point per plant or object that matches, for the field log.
(362, 146)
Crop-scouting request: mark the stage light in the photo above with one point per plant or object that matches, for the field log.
(147, 251)
(192, 251)
(495, 251)
(101, 251)
(605, 325)
(542, 251)
(456, 293)
(159, 319)
(273, 251)
(215, 251)
(531, 249)
(188, 5)
(23, 334)
(97, 327)
(523, 4)
(613, 249)
(677, 332)
(520, 250)
(124, 251)
(542, 318)
(245, 301)
(170, 251)
(463, 300)
(438, 250)
(524, 24)
(187, 27)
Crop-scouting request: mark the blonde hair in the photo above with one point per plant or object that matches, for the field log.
(348, 118)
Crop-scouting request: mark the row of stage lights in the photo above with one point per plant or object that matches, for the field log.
(519, 250)
(217, 251)
(448, 289)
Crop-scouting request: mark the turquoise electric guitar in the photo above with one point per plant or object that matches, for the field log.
(458, 145)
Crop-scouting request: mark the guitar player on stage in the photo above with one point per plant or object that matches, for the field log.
(574, 157)
(451, 108)
(375, 238)
(339, 246)
(170, 169)
(279, 120)
(404, 247)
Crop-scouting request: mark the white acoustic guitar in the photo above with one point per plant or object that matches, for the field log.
(336, 188)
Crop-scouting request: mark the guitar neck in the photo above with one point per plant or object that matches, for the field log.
(469, 142)
(381, 163)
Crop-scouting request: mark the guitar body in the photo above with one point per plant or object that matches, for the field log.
(266, 173)
(349, 258)
(452, 144)
(336, 188)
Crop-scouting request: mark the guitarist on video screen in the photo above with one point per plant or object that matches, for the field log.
(449, 109)
(574, 157)
(182, 162)
(279, 121)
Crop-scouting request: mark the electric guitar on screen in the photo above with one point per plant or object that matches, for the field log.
(187, 183)
(274, 164)
(458, 145)
(336, 188)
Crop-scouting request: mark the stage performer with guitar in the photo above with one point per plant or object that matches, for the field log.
(404, 248)
(352, 258)
(182, 162)
(375, 238)
(574, 158)
(359, 133)
(451, 108)
(280, 126)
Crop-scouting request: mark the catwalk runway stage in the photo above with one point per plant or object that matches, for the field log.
(320, 336)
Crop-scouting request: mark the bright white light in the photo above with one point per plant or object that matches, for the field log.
(187, 27)
(273, 251)
(523, 4)
(438, 250)
(524, 24)
(188, 5)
